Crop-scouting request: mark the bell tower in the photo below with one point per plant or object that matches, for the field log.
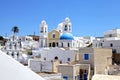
(43, 34)
(67, 25)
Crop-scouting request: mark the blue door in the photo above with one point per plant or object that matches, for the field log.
(85, 76)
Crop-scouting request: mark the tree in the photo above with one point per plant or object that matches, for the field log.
(15, 29)
(1, 38)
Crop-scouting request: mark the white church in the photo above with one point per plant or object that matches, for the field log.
(61, 36)
(60, 43)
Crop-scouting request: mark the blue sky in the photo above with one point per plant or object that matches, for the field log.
(88, 17)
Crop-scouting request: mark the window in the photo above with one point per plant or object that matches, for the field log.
(110, 35)
(45, 58)
(53, 35)
(111, 45)
(62, 44)
(69, 28)
(68, 59)
(68, 45)
(60, 31)
(101, 44)
(86, 56)
(65, 28)
(41, 31)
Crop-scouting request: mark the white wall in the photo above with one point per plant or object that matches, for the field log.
(40, 66)
(106, 44)
(34, 65)
(62, 54)
(10, 69)
(65, 43)
(47, 66)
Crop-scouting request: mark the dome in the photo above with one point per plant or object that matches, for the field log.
(66, 36)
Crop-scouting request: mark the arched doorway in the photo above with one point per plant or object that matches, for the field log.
(53, 44)
(57, 44)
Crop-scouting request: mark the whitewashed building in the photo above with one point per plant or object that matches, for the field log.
(13, 47)
(111, 40)
(51, 54)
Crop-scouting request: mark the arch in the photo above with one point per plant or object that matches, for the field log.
(66, 28)
(111, 45)
(12, 54)
(57, 44)
(49, 44)
(53, 44)
(17, 54)
(56, 58)
(7, 53)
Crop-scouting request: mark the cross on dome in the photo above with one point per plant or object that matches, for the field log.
(43, 22)
(67, 19)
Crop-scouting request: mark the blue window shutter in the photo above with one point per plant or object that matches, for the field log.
(86, 56)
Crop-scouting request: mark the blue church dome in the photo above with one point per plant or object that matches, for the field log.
(66, 36)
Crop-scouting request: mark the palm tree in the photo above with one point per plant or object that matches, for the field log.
(15, 29)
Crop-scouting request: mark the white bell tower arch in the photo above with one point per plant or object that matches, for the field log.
(67, 25)
(43, 34)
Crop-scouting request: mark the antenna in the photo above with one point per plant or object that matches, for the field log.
(34, 33)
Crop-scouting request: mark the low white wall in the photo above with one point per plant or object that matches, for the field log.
(62, 55)
(40, 66)
(34, 65)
